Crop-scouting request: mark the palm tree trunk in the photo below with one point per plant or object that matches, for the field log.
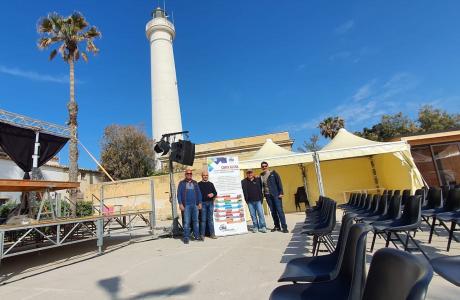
(73, 147)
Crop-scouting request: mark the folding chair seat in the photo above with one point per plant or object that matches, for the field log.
(397, 275)
(349, 282)
(319, 268)
(410, 221)
(448, 268)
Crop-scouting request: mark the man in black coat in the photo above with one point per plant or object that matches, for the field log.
(273, 191)
(208, 192)
(252, 190)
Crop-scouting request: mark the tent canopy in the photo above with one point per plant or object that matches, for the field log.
(348, 145)
(275, 156)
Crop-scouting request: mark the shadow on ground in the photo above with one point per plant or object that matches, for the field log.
(19, 267)
(112, 286)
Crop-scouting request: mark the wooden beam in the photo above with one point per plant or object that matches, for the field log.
(20, 185)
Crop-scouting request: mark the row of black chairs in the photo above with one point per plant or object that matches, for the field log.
(341, 274)
(320, 223)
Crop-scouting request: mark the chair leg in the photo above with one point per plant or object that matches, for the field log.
(373, 241)
(432, 229)
(407, 240)
(315, 242)
(388, 239)
(451, 234)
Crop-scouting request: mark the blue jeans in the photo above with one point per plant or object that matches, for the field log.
(257, 214)
(207, 210)
(276, 209)
(190, 213)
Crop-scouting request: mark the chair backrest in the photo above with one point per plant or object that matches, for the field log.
(445, 191)
(394, 208)
(405, 197)
(397, 193)
(363, 202)
(368, 204)
(453, 200)
(347, 222)
(375, 203)
(352, 269)
(434, 198)
(383, 205)
(395, 274)
(412, 211)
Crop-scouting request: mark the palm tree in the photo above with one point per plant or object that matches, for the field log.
(330, 126)
(67, 33)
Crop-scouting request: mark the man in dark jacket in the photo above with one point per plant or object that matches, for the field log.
(208, 192)
(189, 198)
(252, 190)
(273, 191)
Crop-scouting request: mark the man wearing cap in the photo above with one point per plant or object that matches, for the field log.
(252, 190)
(208, 191)
(189, 198)
(273, 191)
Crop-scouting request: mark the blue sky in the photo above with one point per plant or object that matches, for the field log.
(244, 67)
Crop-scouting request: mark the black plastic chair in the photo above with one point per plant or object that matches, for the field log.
(451, 205)
(410, 221)
(405, 197)
(373, 210)
(349, 282)
(448, 268)
(393, 213)
(319, 268)
(381, 209)
(321, 232)
(397, 275)
(433, 202)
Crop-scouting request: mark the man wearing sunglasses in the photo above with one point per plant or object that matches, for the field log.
(209, 193)
(189, 198)
(273, 191)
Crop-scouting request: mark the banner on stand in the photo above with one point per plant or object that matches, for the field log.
(229, 218)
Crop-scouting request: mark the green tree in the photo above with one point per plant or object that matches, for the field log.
(127, 152)
(390, 126)
(330, 126)
(311, 145)
(67, 33)
(435, 119)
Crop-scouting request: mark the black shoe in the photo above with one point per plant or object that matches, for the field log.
(285, 230)
(186, 242)
(275, 229)
(201, 238)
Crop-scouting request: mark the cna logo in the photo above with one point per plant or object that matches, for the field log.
(223, 227)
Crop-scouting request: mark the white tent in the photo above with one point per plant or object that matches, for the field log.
(275, 156)
(347, 163)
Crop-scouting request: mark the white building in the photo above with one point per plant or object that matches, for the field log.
(52, 171)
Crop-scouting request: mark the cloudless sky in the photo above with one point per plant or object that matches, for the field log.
(244, 67)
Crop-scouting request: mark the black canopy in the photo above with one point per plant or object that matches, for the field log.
(18, 143)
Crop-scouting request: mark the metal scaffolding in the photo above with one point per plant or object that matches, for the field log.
(34, 124)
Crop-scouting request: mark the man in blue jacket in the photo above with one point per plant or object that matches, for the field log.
(189, 198)
(273, 191)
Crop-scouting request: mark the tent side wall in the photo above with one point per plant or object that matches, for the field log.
(346, 175)
(393, 173)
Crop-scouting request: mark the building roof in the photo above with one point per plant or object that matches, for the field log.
(430, 138)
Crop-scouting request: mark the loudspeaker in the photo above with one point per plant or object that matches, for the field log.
(183, 152)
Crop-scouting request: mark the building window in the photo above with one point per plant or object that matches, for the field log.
(447, 161)
(424, 161)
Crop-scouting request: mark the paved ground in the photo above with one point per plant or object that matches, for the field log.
(238, 267)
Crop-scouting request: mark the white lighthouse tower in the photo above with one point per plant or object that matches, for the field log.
(166, 115)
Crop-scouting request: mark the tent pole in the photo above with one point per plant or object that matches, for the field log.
(318, 173)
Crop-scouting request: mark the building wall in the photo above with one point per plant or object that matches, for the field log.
(9, 170)
(437, 156)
